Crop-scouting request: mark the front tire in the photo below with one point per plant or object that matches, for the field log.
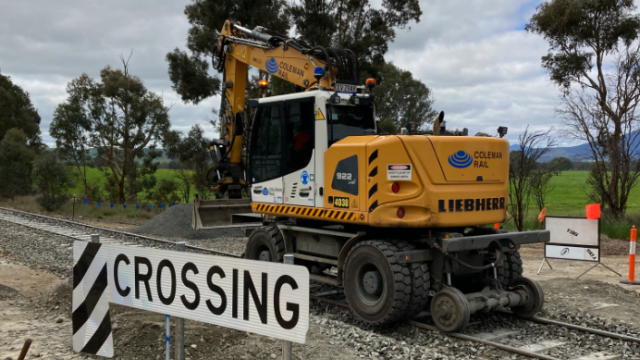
(377, 287)
(265, 244)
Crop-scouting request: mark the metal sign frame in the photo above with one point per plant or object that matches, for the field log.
(587, 249)
(572, 246)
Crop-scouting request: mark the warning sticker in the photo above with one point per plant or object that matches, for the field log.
(320, 115)
(399, 172)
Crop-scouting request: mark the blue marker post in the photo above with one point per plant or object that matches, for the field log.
(168, 336)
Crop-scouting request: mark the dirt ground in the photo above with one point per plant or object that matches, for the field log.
(35, 304)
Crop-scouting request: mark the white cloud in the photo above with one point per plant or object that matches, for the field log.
(483, 68)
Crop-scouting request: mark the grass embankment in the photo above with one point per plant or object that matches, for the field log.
(568, 197)
(91, 211)
(85, 212)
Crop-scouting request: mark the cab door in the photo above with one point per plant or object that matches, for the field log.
(266, 158)
(298, 151)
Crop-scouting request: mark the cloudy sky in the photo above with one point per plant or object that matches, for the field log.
(483, 68)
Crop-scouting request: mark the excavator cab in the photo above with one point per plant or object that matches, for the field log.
(290, 135)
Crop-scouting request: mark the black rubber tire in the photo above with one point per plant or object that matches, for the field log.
(265, 238)
(393, 302)
(511, 269)
(420, 283)
(450, 310)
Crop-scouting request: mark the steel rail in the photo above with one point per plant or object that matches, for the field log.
(454, 334)
(342, 303)
(576, 327)
(496, 345)
(119, 232)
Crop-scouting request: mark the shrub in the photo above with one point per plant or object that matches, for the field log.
(52, 181)
(164, 192)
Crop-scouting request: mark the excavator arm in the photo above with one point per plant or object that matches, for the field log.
(286, 58)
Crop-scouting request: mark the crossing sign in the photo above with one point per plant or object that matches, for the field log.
(265, 298)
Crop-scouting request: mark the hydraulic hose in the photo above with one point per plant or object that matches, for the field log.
(479, 268)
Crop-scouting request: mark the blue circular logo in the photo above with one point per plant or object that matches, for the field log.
(304, 177)
(265, 191)
(460, 160)
(271, 65)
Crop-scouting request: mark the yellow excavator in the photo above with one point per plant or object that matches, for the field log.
(403, 223)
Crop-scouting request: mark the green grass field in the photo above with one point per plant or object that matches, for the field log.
(569, 195)
(95, 176)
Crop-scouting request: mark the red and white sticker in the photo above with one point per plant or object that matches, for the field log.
(400, 172)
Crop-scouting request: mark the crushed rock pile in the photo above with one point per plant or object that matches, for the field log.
(175, 222)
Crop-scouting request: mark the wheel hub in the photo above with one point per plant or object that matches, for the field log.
(446, 311)
(265, 255)
(372, 281)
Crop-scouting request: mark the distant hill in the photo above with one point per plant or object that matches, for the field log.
(580, 152)
(161, 159)
(573, 153)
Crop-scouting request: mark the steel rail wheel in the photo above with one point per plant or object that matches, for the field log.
(450, 310)
(536, 298)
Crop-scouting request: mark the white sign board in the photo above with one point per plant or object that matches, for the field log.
(265, 298)
(573, 239)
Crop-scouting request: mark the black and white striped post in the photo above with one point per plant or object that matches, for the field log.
(91, 319)
(95, 238)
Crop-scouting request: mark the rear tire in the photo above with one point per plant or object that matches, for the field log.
(420, 283)
(265, 244)
(511, 269)
(376, 285)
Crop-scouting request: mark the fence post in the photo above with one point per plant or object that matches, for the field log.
(95, 238)
(73, 215)
(179, 335)
(287, 346)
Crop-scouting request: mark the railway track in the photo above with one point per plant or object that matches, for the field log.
(83, 232)
(498, 337)
(501, 337)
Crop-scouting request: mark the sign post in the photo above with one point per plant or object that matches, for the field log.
(575, 239)
(180, 246)
(264, 298)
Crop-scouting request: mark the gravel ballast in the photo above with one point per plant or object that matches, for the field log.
(175, 222)
(40, 249)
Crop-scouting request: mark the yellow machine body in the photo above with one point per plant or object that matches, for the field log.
(442, 181)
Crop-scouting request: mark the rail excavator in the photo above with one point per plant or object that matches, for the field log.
(403, 223)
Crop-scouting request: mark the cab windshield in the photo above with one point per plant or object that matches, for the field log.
(346, 120)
